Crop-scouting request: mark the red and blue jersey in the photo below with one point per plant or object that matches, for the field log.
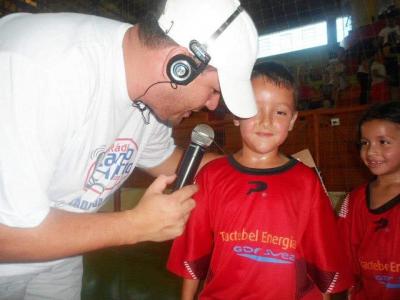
(260, 234)
(372, 242)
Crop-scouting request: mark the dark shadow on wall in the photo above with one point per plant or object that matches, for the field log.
(135, 272)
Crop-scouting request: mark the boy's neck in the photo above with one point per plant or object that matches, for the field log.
(260, 161)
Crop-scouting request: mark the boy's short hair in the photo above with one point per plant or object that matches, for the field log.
(389, 111)
(278, 74)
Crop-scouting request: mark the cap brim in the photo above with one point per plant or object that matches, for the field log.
(238, 95)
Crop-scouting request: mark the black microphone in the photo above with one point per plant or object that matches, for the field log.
(202, 137)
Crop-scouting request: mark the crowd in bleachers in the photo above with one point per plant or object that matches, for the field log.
(367, 72)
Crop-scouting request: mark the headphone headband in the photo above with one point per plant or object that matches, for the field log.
(183, 69)
(225, 25)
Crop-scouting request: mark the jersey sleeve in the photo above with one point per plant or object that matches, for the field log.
(324, 260)
(190, 253)
(347, 235)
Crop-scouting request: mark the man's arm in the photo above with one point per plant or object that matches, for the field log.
(157, 217)
(189, 288)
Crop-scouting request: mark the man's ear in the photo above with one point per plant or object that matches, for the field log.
(236, 122)
(170, 53)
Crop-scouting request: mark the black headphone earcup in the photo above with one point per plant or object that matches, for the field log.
(182, 69)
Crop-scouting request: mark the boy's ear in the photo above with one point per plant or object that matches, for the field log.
(293, 120)
(236, 122)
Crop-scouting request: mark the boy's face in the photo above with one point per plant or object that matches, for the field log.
(265, 132)
(380, 147)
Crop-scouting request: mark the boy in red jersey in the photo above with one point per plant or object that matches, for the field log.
(370, 214)
(263, 227)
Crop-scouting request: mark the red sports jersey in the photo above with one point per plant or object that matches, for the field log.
(260, 234)
(373, 242)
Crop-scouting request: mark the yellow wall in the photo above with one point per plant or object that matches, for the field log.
(363, 11)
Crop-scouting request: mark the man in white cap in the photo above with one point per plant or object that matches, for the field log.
(86, 99)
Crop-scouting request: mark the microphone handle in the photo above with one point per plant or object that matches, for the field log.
(189, 165)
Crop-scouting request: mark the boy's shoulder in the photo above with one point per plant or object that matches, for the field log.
(215, 164)
(354, 198)
(304, 168)
(215, 169)
(358, 193)
(360, 188)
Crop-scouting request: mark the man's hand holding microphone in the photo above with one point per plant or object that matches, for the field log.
(159, 216)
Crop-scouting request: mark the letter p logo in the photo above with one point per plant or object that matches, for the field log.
(258, 186)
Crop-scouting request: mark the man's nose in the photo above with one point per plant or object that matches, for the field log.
(212, 103)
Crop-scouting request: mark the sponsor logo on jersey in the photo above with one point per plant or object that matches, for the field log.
(390, 282)
(377, 265)
(257, 187)
(382, 223)
(264, 255)
(263, 237)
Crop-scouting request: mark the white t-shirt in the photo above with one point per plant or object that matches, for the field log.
(386, 31)
(69, 134)
(377, 67)
(336, 70)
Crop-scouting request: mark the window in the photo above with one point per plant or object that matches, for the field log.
(343, 27)
(295, 39)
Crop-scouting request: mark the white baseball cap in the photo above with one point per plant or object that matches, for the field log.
(233, 49)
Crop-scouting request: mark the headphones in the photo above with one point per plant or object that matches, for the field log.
(182, 69)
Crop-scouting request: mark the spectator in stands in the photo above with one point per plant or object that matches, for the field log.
(308, 96)
(389, 40)
(379, 85)
(326, 90)
(364, 79)
(385, 7)
(390, 33)
(337, 72)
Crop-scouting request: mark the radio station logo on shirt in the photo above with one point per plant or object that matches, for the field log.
(111, 166)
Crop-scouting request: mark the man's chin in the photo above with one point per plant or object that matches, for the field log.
(176, 120)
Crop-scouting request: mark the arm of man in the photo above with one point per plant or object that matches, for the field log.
(189, 288)
(157, 217)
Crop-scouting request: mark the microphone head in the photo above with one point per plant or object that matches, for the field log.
(202, 135)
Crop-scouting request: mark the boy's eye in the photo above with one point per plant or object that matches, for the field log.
(282, 113)
(384, 142)
(362, 143)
